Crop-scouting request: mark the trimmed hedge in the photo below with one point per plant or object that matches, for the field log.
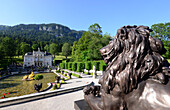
(62, 65)
(88, 65)
(70, 65)
(96, 64)
(102, 66)
(66, 65)
(80, 66)
(64, 61)
(74, 66)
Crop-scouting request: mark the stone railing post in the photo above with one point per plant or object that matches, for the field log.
(94, 72)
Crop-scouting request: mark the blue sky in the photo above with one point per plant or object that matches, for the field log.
(80, 14)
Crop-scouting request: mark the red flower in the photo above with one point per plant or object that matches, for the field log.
(2, 97)
(8, 93)
(5, 94)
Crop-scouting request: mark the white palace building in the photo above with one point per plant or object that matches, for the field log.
(38, 58)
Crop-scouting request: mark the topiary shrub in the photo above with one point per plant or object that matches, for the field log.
(64, 61)
(80, 66)
(66, 65)
(70, 65)
(38, 76)
(96, 64)
(83, 65)
(74, 66)
(63, 82)
(58, 71)
(102, 66)
(62, 65)
(56, 86)
(88, 65)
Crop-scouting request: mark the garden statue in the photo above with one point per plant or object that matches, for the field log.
(29, 77)
(70, 74)
(62, 72)
(137, 76)
(37, 87)
(58, 79)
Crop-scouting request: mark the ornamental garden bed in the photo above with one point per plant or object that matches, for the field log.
(15, 86)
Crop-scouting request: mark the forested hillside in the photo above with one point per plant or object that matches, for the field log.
(41, 32)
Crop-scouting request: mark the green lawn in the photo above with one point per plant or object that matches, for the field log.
(60, 57)
(20, 56)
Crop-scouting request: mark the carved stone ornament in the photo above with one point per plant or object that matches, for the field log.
(137, 75)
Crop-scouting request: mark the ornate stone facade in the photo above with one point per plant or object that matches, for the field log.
(38, 58)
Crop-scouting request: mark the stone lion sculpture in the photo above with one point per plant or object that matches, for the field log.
(136, 77)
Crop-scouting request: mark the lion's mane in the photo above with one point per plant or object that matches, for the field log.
(131, 57)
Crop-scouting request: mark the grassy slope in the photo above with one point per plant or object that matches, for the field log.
(60, 57)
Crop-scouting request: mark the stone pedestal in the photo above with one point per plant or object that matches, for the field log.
(81, 105)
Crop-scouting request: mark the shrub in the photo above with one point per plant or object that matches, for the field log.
(74, 66)
(96, 64)
(86, 73)
(83, 65)
(66, 65)
(62, 65)
(70, 65)
(58, 71)
(88, 65)
(64, 61)
(102, 66)
(38, 76)
(56, 86)
(63, 82)
(80, 66)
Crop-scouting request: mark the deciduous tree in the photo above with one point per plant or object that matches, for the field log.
(8, 47)
(25, 48)
(66, 49)
(53, 49)
(162, 32)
